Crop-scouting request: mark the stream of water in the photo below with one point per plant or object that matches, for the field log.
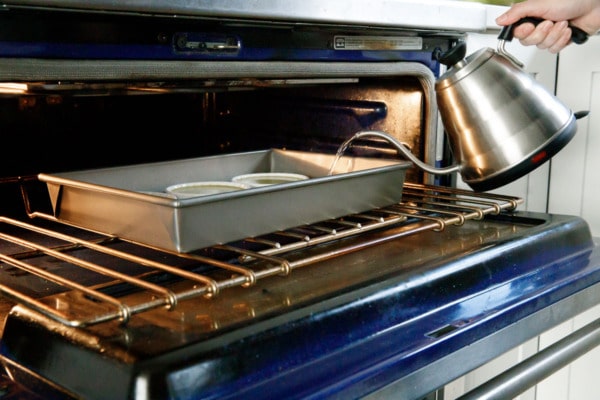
(341, 150)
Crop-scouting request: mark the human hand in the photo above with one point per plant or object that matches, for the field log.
(550, 35)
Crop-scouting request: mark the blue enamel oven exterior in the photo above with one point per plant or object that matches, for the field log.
(415, 328)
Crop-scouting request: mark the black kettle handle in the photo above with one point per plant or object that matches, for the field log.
(578, 36)
(451, 56)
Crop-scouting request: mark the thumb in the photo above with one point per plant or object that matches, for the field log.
(518, 11)
(509, 17)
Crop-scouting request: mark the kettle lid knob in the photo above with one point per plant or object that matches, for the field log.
(452, 55)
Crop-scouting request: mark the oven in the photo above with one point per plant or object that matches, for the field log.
(374, 280)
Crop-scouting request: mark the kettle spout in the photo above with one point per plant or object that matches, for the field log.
(401, 149)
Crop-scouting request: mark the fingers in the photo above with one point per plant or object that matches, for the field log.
(547, 35)
(561, 41)
(525, 33)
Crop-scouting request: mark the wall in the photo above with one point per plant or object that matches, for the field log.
(575, 181)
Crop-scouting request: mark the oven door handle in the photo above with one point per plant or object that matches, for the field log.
(534, 369)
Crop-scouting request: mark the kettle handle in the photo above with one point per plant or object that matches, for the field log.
(578, 36)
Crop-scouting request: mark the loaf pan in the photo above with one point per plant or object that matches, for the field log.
(129, 202)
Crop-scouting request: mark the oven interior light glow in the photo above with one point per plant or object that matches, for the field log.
(13, 88)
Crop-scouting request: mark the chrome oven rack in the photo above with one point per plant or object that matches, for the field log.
(422, 208)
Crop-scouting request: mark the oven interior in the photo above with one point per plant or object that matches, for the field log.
(59, 132)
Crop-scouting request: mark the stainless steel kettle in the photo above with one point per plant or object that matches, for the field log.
(501, 123)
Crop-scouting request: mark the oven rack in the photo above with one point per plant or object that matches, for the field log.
(212, 270)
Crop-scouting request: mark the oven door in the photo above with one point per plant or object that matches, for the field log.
(412, 295)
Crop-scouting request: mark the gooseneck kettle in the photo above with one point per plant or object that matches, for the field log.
(500, 122)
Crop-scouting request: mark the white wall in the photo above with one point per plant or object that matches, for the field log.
(575, 178)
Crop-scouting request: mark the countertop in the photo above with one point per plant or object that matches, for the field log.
(463, 16)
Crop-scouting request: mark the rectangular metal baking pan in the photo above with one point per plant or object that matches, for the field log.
(116, 200)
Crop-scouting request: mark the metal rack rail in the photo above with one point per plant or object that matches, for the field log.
(222, 266)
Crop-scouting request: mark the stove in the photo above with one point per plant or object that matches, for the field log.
(343, 294)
